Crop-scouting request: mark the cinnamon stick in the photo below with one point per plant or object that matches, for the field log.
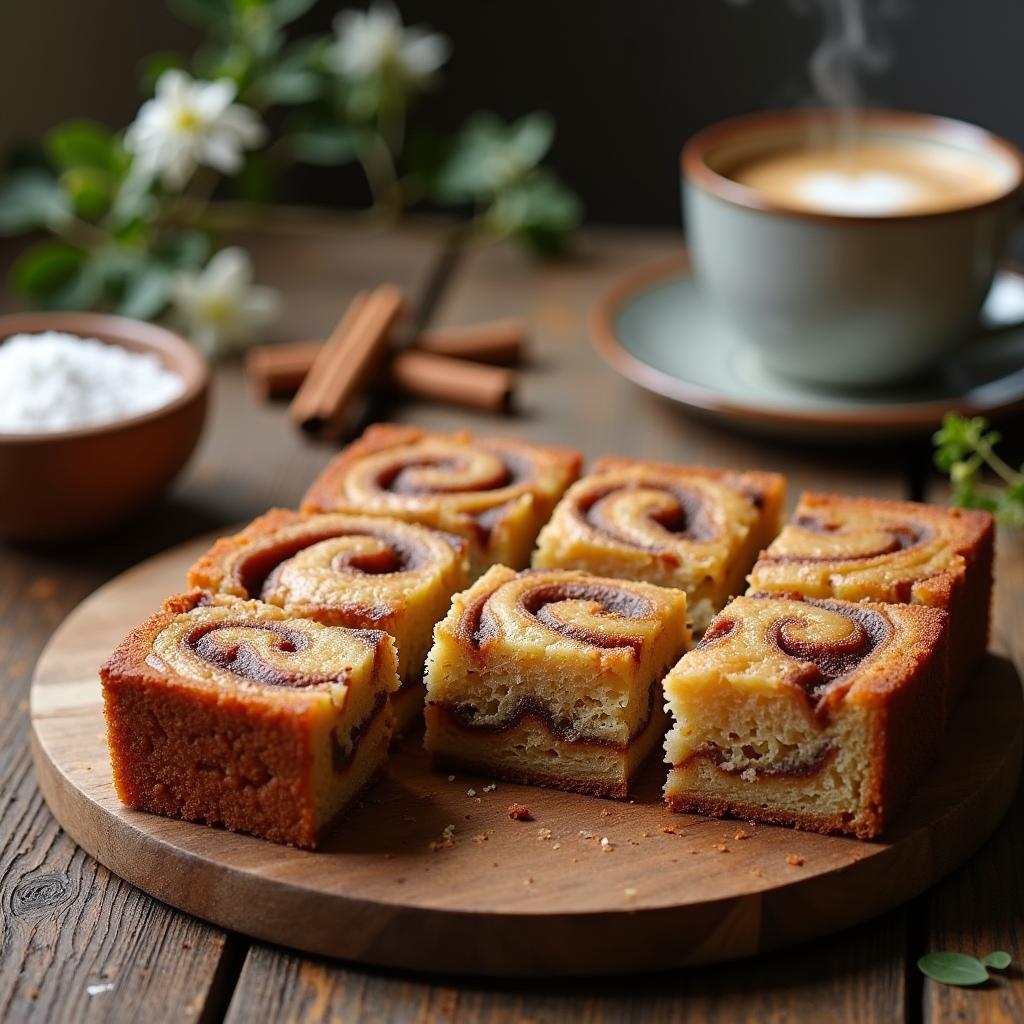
(343, 367)
(458, 381)
(277, 371)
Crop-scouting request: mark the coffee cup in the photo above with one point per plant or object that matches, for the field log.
(849, 251)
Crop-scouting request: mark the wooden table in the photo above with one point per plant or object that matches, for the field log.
(77, 943)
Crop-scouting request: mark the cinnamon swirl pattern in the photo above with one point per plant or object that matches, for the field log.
(899, 551)
(553, 677)
(816, 713)
(688, 527)
(496, 492)
(231, 712)
(360, 571)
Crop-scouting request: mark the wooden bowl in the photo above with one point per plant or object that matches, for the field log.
(56, 484)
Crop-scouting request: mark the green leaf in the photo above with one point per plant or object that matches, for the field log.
(78, 144)
(90, 191)
(953, 968)
(31, 199)
(531, 137)
(185, 250)
(286, 11)
(998, 959)
(289, 86)
(205, 13)
(46, 267)
(326, 144)
(147, 292)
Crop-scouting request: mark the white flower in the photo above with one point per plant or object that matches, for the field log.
(188, 123)
(220, 308)
(376, 42)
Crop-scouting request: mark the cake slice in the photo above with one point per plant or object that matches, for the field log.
(496, 492)
(360, 571)
(820, 714)
(231, 713)
(553, 678)
(688, 527)
(896, 551)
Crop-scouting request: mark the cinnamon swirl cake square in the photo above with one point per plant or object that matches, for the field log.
(496, 492)
(821, 714)
(688, 527)
(553, 677)
(898, 551)
(231, 713)
(365, 572)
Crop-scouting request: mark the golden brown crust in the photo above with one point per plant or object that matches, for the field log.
(873, 678)
(230, 712)
(689, 527)
(494, 491)
(894, 551)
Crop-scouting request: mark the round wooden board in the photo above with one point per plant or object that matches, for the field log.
(507, 897)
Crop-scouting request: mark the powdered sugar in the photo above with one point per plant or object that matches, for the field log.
(57, 381)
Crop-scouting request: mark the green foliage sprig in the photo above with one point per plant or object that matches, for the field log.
(965, 449)
(962, 968)
(119, 236)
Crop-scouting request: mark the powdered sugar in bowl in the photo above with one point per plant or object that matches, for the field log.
(97, 415)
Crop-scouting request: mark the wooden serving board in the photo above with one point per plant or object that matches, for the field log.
(507, 897)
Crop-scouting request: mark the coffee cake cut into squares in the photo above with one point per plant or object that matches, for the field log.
(896, 551)
(366, 572)
(496, 492)
(689, 527)
(817, 713)
(233, 713)
(553, 677)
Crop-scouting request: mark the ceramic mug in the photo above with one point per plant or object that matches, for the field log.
(839, 299)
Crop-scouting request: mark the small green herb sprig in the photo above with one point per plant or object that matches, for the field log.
(965, 449)
(962, 968)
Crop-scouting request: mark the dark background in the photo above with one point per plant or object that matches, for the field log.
(627, 80)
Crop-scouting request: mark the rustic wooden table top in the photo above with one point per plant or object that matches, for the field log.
(77, 943)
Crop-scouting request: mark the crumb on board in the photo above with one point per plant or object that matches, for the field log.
(451, 778)
(757, 872)
(794, 860)
(741, 835)
(470, 792)
(721, 848)
(447, 839)
(490, 788)
(480, 837)
(606, 844)
(669, 830)
(543, 833)
(606, 813)
(519, 812)
(629, 892)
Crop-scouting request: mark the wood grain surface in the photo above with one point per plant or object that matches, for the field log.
(537, 898)
(249, 459)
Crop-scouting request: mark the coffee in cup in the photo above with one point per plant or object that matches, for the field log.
(849, 253)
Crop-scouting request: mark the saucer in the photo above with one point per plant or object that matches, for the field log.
(656, 328)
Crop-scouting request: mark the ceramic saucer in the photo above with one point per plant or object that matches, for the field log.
(655, 327)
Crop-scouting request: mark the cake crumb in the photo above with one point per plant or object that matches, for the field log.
(528, 881)
(741, 835)
(794, 860)
(606, 813)
(587, 835)
(606, 844)
(480, 837)
(749, 775)
(447, 839)
(721, 848)
(543, 833)
(491, 788)
(668, 830)
(629, 892)
(470, 792)
(757, 872)
(451, 778)
(519, 812)
(556, 846)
